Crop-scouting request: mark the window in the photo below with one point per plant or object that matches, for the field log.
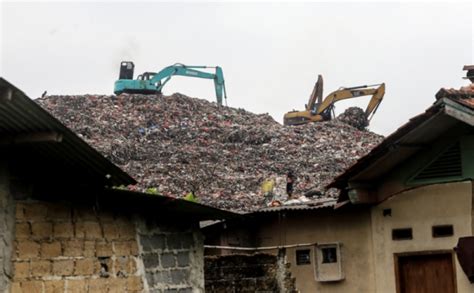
(329, 254)
(328, 262)
(442, 231)
(402, 234)
(387, 212)
(303, 257)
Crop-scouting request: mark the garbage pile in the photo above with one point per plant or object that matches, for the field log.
(355, 117)
(176, 145)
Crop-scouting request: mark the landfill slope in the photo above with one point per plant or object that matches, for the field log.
(175, 144)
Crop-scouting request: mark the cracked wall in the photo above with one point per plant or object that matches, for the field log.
(64, 248)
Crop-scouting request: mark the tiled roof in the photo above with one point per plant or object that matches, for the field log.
(467, 102)
(456, 94)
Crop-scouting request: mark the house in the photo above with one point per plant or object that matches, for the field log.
(402, 209)
(418, 182)
(305, 235)
(65, 228)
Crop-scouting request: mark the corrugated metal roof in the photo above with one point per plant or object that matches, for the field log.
(164, 206)
(311, 205)
(21, 117)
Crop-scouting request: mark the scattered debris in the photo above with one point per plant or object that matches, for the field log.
(300, 200)
(180, 145)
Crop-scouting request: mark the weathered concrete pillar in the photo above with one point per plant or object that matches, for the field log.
(7, 220)
(286, 283)
(472, 208)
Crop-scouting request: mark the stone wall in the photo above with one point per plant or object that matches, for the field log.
(64, 248)
(248, 273)
(172, 256)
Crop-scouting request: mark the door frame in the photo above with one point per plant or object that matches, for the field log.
(398, 255)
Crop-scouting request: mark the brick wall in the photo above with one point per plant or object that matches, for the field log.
(172, 255)
(248, 273)
(61, 248)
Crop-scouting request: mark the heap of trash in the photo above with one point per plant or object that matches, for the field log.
(179, 146)
(355, 117)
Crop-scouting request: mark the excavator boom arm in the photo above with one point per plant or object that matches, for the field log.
(316, 95)
(181, 70)
(190, 71)
(344, 94)
(375, 101)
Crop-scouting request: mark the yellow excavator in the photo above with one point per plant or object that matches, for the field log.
(318, 109)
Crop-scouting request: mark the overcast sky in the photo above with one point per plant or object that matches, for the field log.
(271, 54)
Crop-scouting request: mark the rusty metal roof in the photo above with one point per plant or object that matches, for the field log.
(312, 205)
(169, 207)
(44, 147)
(410, 137)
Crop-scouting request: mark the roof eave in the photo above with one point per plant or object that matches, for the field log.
(145, 203)
(20, 115)
(443, 106)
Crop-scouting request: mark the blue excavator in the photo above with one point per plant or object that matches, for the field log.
(153, 82)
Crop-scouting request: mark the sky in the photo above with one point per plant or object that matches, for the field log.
(271, 53)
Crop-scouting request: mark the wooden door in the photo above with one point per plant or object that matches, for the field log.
(428, 273)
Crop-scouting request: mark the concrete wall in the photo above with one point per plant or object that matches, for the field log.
(7, 220)
(420, 209)
(351, 228)
(173, 256)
